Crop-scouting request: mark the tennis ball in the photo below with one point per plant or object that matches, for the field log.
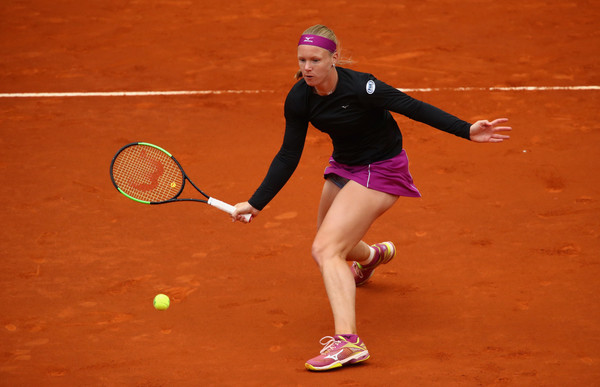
(161, 302)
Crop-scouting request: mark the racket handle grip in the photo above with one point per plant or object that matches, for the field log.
(226, 207)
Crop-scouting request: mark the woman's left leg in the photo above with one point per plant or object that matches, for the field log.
(344, 219)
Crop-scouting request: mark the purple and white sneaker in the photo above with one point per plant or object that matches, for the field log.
(337, 351)
(384, 252)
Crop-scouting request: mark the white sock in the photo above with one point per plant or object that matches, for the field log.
(371, 256)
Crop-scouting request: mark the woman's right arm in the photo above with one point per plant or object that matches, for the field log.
(284, 163)
(282, 167)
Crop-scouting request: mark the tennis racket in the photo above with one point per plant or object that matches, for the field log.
(149, 174)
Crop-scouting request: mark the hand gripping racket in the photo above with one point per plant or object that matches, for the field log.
(149, 174)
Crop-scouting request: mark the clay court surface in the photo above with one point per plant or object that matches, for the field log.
(497, 278)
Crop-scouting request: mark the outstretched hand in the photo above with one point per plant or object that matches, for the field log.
(486, 131)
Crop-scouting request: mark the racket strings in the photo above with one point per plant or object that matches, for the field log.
(147, 174)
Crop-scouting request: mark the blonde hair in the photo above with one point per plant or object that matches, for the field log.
(321, 30)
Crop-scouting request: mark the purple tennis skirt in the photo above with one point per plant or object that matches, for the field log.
(389, 176)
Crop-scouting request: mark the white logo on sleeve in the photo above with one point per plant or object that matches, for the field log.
(370, 87)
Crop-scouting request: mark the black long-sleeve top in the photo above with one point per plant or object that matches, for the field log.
(357, 118)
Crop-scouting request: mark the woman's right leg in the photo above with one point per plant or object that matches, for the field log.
(344, 218)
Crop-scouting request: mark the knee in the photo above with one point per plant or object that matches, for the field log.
(322, 252)
(318, 252)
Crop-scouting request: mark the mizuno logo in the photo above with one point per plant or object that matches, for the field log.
(308, 39)
(334, 356)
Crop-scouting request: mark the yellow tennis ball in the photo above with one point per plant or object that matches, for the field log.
(161, 302)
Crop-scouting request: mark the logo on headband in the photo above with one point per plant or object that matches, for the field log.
(308, 39)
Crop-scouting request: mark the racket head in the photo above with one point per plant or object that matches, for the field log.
(147, 173)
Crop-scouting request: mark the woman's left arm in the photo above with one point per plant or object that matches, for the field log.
(486, 131)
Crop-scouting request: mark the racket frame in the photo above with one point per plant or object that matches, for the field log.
(209, 200)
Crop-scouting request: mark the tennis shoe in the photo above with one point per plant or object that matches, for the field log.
(337, 351)
(384, 252)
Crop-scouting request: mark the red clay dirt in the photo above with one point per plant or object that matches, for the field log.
(497, 276)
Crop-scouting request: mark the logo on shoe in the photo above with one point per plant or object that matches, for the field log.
(334, 356)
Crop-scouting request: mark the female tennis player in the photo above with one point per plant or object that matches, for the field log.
(367, 172)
